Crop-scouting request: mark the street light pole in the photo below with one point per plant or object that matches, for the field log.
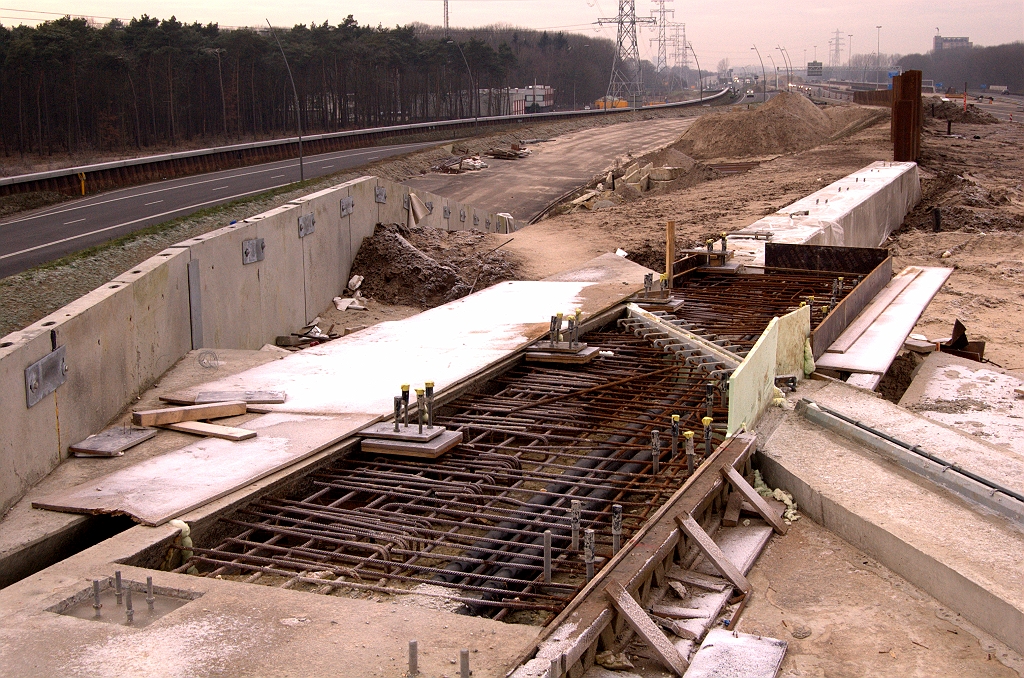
(471, 83)
(295, 93)
(700, 78)
(776, 69)
(789, 71)
(764, 78)
(878, 52)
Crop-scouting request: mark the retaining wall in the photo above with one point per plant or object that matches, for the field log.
(121, 337)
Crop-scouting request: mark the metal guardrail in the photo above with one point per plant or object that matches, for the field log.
(136, 170)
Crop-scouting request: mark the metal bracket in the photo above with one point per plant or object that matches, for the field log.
(430, 206)
(446, 212)
(487, 224)
(462, 215)
(44, 376)
(307, 225)
(380, 194)
(253, 250)
(476, 220)
(405, 201)
(348, 205)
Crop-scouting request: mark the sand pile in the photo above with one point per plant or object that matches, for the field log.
(427, 267)
(952, 110)
(786, 124)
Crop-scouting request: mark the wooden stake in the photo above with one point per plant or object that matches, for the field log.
(670, 250)
(174, 415)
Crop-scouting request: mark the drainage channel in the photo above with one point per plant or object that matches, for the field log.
(559, 467)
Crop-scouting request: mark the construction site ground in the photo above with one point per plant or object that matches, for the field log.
(842, 613)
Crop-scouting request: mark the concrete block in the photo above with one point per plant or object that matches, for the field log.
(326, 253)
(282, 280)
(627, 191)
(229, 291)
(100, 339)
(161, 321)
(29, 445)
(394, 210)
(666, 173)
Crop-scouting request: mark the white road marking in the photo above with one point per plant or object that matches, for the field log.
(219, 188)
(74, 222)
(153, 203)
(277, 176)
(135, 221)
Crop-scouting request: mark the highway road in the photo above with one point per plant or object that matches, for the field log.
(43, 235)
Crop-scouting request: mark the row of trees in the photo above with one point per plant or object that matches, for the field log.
(997, 65)
(66, 86)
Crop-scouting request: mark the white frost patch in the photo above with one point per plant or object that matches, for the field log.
(194, 648)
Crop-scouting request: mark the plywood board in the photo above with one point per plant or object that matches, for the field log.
(876, 348)
(881, 302)
(174, 415)
(112, 442)
(757, 501)
(165, 487)
(201, 428)
(752, 385)
(581, 358)
(645, 628)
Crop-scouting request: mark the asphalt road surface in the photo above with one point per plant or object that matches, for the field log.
(44, 235)
(525, 187)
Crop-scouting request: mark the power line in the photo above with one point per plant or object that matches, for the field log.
(662, 38)
(627, 77)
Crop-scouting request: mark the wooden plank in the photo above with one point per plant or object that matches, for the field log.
(674, 612)
(757, 501)
(200, 428)
(249, 397)
(881, 302)
(645, 628)
(699, 580)
(112, 442)
(175, 415)
(731, 517)
(675, 627)
(875, 350)
(581, 358)
(868, 380)
(727, 653)
(711, 551)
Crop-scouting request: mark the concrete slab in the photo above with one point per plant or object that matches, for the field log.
(282, 308)
(971, 562)
(1000, 463)
(393, 210)
(168, 485)
(447, 344)
(326, 253)
(976, 398)
(859, 210)
(365, 211)
(31, 539)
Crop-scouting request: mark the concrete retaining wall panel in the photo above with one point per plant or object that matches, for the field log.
(29, 446)
(99, 336)
(229, 291)
(282, 279)
(457, 223)
(326, 252)
(394, 210)
(447, 222)
(752, 385)
(365, 212)
(162, 322)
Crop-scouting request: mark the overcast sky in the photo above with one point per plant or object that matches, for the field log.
(715, 28)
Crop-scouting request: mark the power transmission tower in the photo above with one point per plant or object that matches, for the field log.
(446, 18)
(680, 55)
(627, 78)
(662, 38)
(836, 58)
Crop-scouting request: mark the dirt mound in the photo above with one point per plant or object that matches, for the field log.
(786, 124)
(951, 110)
(427, 267)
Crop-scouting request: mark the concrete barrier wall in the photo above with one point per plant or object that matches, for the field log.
(120, 338)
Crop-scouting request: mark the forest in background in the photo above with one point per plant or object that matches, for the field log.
(977, 66)
(68, 87)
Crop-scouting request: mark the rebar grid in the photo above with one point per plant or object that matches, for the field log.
(739, 307)
(473, 521)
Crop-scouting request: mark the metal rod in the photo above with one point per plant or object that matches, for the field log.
(576, 508)
(129, 610)
(675, 437)
(655, 452)
(690, 457)
(588, 552)
(616, 528)
(547, 556)
(428, 387)
(405, 403)
(420, 402)
(150, 598)
(117, 587)
(398, 412)
(96, 604)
